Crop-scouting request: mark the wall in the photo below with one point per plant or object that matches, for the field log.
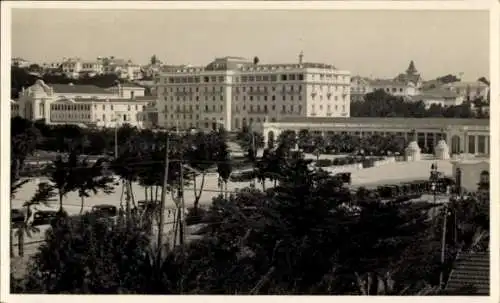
(471, 171)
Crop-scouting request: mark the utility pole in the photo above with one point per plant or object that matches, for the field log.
(162, 203)
(443, 246)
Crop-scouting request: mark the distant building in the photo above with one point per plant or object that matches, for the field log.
(359, 88)
(85, 105)
(469, 90)
(235, 92)
(20, 62)
(438, 96)
(403, 85)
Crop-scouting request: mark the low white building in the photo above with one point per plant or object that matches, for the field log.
(468, 90)
(83, 104)
(394, 87)
(439, 96)
(100, 113)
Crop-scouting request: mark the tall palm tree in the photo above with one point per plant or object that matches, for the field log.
(64, 176)
(90, 179)
(223, 159)
(41, 197)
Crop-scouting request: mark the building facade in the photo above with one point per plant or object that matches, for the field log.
(235, 92)
(469, 136)
(438, 96)
(84, 104)
(469, 90)
(359, 88)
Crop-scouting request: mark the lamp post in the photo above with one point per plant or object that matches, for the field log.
(433, 177)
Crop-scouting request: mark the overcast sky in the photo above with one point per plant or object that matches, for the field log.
(377, 43)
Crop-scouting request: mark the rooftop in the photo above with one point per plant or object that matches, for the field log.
(79, 89)
(410, 122)
(387, 82)
(463, 84)
(437, 93)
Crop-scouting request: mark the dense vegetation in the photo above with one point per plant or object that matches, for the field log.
(381, 104)
(308, 234)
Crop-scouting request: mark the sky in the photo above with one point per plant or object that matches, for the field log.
(376, 43)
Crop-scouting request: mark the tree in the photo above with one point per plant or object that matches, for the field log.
(86, 255)
(24, 139)
(223, 159)
(41, 197)
(201, 156)
(90, 179)
(320, 145)
(63, 174)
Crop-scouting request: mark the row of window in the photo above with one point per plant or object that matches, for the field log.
(82, 107)
(258, 98)
(253, 78)
(253, 109)
(251, 89)
(71, 116)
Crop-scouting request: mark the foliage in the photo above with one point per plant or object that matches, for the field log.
(381, 104)
(87, 255)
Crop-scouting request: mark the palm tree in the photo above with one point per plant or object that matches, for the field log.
(201, 157)
(15, 185)
(223, 159)
(90, 179)
(42, 196)
(319, 143)
(64, 176)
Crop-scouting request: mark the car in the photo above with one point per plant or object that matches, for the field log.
(16, 216)
(344, 177)
(105, 210)
(43, 217)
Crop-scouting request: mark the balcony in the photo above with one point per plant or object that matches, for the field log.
(258, 111)
(183, 111)
(257, 93)
(183, 94)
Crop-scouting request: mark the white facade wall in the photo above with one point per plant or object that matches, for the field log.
(103, 109)
(250, 95)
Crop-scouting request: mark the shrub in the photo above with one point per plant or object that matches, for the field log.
(88, 255)
(195, 217)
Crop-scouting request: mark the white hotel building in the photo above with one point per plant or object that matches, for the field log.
(233, 92)
(86, 105)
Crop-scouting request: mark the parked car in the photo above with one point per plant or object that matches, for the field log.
(105, 210)
(16, 216)
(43, 217)
(344, 177)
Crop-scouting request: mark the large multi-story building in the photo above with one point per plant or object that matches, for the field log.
(86, 105)
(236, 92)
